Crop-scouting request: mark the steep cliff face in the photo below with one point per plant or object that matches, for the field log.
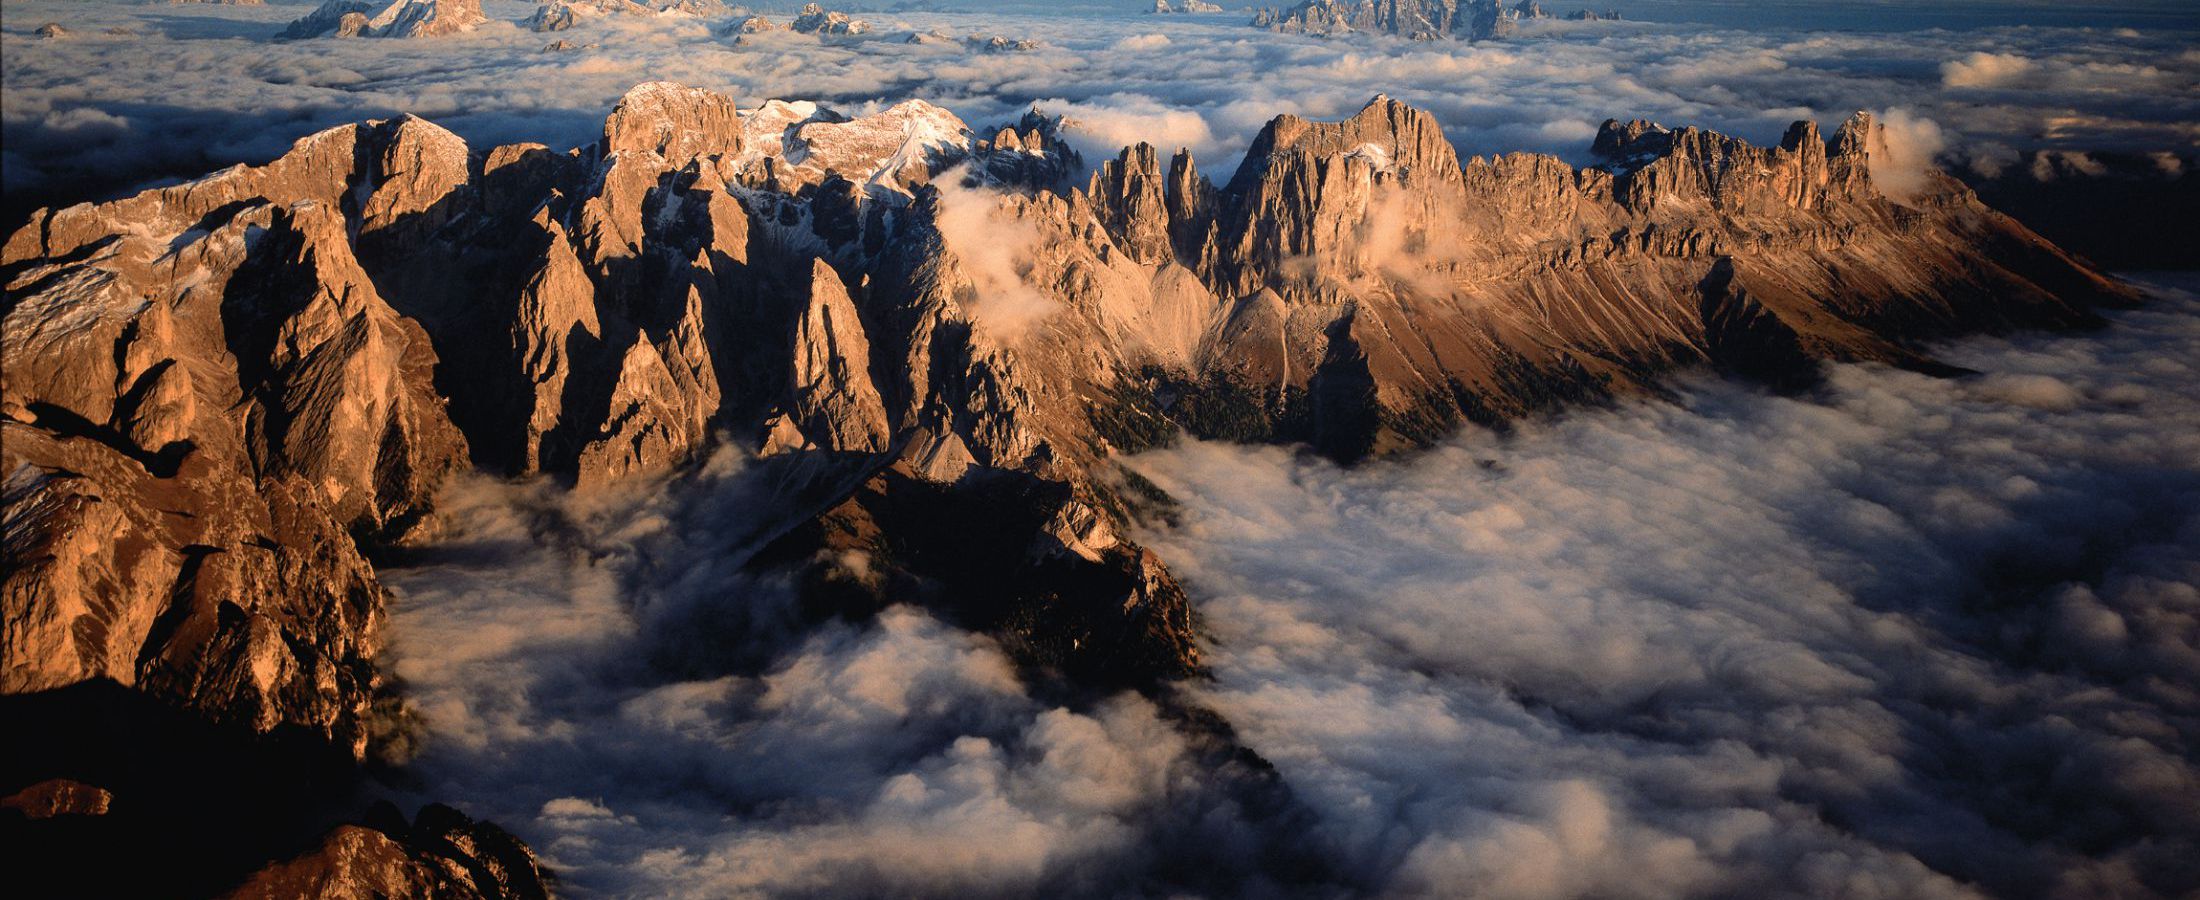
(213, 389)
(204, 395)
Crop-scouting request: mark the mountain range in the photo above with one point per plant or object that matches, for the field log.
(225, 399)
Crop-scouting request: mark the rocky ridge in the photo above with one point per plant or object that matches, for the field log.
(1421, 20)
(561, 15)
(387, 19)
(815, 19)
(222, 397)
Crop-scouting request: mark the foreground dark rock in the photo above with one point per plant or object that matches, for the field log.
(223, 398)
(441, 854)
(112, 793)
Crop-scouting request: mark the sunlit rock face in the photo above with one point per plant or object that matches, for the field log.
(218, 393)
(815, 19)
(1420, 20)
(206, 394)
(564, 14)
(440, 854)
(397, 19)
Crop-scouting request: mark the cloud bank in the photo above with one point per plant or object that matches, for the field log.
(597, 674)
(1905, 638)
(193, 87)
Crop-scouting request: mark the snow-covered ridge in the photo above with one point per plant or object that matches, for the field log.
(788, 144)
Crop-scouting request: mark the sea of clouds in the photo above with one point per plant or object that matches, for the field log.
(1903, 636)
(182, 89)
(1898, 637)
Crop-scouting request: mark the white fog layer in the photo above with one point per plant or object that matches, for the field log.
(1901, 637)
(1741, 645)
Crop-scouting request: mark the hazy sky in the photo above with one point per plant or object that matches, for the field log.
(192, 87)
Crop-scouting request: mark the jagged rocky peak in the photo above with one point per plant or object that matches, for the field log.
(1031, 153)
(1132, 199)
(1329, 251)
(1420, 20)
(442, 853)
(674, 122)
(975, 43)
(1307, 193)
(564, 14)
(834, 400)
(1389, 136)
(1186, 7)
(752, 25)
(387, 18)
(1655, 165)
(815, 19)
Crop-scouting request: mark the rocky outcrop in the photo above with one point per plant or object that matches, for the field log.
(975, 43)
(1420, 20)
(753, 25)
(564, 14)
(387, 18)
(834, 401)
(442, 854)
(57, 797)
(815, 19)
(199, 809)
(1132, 201)
(1308, 191)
